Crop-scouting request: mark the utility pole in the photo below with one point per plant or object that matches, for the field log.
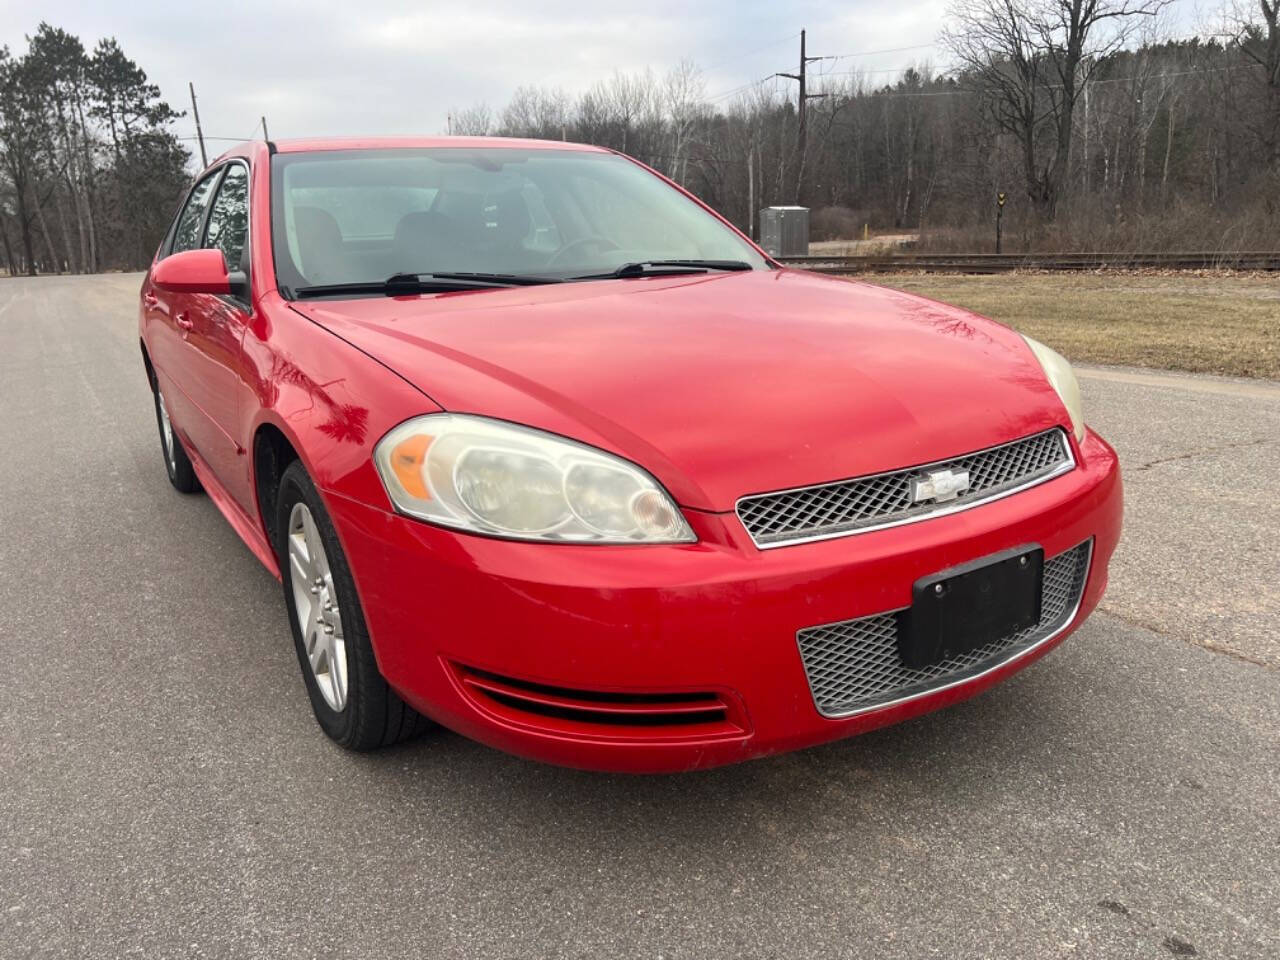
(1000, 199)
(204, 157)
(1086, 134)
(802, 133)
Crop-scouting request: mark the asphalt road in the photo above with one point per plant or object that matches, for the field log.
(164, 791)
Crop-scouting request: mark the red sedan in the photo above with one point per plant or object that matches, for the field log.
(544, 450)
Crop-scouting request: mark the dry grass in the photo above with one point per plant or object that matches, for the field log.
(1204, 323)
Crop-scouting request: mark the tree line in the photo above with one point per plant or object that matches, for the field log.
(89, 169)
(1102, 132)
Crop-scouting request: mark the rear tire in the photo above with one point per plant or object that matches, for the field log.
(353, 704)
(176, 462)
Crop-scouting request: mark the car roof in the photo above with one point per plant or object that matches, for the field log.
(305, 145)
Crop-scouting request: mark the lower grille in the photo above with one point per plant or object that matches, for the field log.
(854, 665)
(602, 713)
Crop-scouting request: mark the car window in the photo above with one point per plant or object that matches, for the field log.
(229, 218)
(186, 236)
(543, 232)
(618, 213)
(365, 212)
(350, 216)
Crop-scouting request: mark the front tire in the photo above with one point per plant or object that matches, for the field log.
(352, 702)
(176, 462)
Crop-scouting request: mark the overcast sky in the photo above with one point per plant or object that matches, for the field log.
(379, 66)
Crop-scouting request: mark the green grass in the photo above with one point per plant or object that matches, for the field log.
(1203, 323)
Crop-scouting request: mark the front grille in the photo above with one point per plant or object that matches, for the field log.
(866, 503)
(854, 665)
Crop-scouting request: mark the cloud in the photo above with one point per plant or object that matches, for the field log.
(385, 67)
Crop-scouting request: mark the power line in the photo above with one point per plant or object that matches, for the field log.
(724, 94)
(715, 66)
(959, 93)
(739, 89)
(1166, 76)
(1056, 86)
(840, 56)
(873, 53)
(742, 56)
(931, 46)
(864, 73)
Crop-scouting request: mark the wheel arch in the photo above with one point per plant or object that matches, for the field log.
(273, 450)
(147, 364)
(315, 399)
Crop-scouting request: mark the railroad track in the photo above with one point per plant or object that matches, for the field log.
(1006, 262)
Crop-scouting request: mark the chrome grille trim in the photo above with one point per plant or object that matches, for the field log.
(876, 501)
(853, 666)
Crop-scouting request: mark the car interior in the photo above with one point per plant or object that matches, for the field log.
(494, 230)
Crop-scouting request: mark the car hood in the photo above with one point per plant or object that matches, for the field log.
(721, 384)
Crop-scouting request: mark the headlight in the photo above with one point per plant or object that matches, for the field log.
(498, 478)
(1063, 379)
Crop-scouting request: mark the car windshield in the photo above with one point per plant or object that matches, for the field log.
(361, 216)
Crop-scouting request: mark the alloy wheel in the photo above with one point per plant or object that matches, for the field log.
(166, 435)
(316, 605)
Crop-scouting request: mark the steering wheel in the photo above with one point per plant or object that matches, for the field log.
(594, 239)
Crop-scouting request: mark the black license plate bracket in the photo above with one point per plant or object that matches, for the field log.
(956, 611)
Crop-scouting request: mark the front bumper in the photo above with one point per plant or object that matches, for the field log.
(716, 618)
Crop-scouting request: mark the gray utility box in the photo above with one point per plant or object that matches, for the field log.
(784, 231)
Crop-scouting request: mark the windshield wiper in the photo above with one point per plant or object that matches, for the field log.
(403, 284)
(497, 279)
(668, 268)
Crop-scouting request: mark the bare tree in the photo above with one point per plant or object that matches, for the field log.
(533, 112)
(681, 99)
(474, 121)
(1032, 59)
(1259, 42)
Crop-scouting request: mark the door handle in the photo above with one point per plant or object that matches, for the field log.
(185, 323)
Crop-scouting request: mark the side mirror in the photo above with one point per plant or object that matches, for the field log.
(197, 271)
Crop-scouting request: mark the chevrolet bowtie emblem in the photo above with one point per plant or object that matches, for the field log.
(939, 485)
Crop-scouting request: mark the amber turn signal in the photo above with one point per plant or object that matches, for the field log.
(407, 459)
